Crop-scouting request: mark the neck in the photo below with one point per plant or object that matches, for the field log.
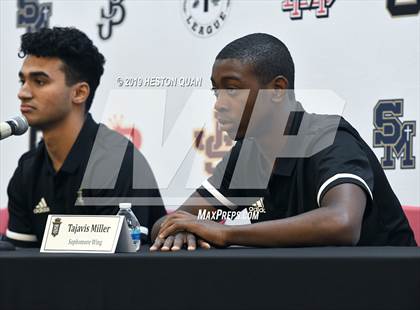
(60, 138)
(272, 142)
(272, 139)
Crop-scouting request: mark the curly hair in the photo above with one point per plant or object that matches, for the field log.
(82, 60)
(268, 56)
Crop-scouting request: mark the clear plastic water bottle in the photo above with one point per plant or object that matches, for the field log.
(132, 223)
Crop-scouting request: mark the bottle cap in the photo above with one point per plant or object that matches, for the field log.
(125, 205)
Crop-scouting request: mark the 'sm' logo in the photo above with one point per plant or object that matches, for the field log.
(395, 136)
(32, 15)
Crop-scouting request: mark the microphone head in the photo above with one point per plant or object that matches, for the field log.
(21, 125)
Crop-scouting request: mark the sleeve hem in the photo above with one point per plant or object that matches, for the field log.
(20, 236)
(351, 178)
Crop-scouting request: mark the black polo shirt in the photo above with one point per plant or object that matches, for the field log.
(37, 190)
(298, 184)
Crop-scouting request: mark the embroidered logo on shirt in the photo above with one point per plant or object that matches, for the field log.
(257, 207)
(41, 207)
(79, 199)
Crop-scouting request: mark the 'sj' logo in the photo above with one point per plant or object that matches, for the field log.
(114, 16)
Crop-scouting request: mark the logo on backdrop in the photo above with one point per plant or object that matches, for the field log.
(297, 7)
(214, 146)
(403, 7)
(393, 135)
(111, 16)
(204, 18)
(33, 15)
(116, 122)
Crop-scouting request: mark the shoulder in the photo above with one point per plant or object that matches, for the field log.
(28, 159)
(323, 131)
(320, 124)
(26, 168)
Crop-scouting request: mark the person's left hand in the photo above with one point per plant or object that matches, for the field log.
(209, 231)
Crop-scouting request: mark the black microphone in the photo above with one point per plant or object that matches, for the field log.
(15, 126)
(5, 245)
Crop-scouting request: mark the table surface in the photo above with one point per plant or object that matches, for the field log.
(387, 252)
(235, 278)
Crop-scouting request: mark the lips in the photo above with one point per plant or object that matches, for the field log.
(226, 124)
(25, 108)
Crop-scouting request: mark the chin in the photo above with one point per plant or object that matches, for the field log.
(31, 121)
(34, 123)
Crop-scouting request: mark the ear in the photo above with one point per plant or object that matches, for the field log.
(279, 85)
(81, 92)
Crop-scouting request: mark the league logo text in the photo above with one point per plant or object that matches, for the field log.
(205, 17)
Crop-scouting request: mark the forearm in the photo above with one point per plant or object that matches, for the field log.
(317, 227)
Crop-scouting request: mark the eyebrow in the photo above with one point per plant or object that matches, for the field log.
(34, 74)
(225, 78)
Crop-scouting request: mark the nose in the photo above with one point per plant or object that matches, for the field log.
(24, 92)
(221, 104)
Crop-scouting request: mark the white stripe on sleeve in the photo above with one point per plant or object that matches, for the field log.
(216, 194)
(341, 176)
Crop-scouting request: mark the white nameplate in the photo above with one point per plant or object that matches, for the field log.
(86, 234)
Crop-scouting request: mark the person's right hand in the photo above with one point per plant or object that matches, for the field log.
(177, 241)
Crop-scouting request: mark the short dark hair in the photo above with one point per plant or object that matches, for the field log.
(82, 60)
(268, 55)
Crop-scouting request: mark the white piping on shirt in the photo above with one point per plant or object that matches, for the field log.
(216, 194)
(20, 237)
(341, 176)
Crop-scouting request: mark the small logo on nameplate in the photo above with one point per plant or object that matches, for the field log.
(56, 227)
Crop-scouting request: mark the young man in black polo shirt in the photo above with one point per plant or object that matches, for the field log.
(324, 185)
(60, 73)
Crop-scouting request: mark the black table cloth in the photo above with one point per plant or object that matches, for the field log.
(336, 278)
